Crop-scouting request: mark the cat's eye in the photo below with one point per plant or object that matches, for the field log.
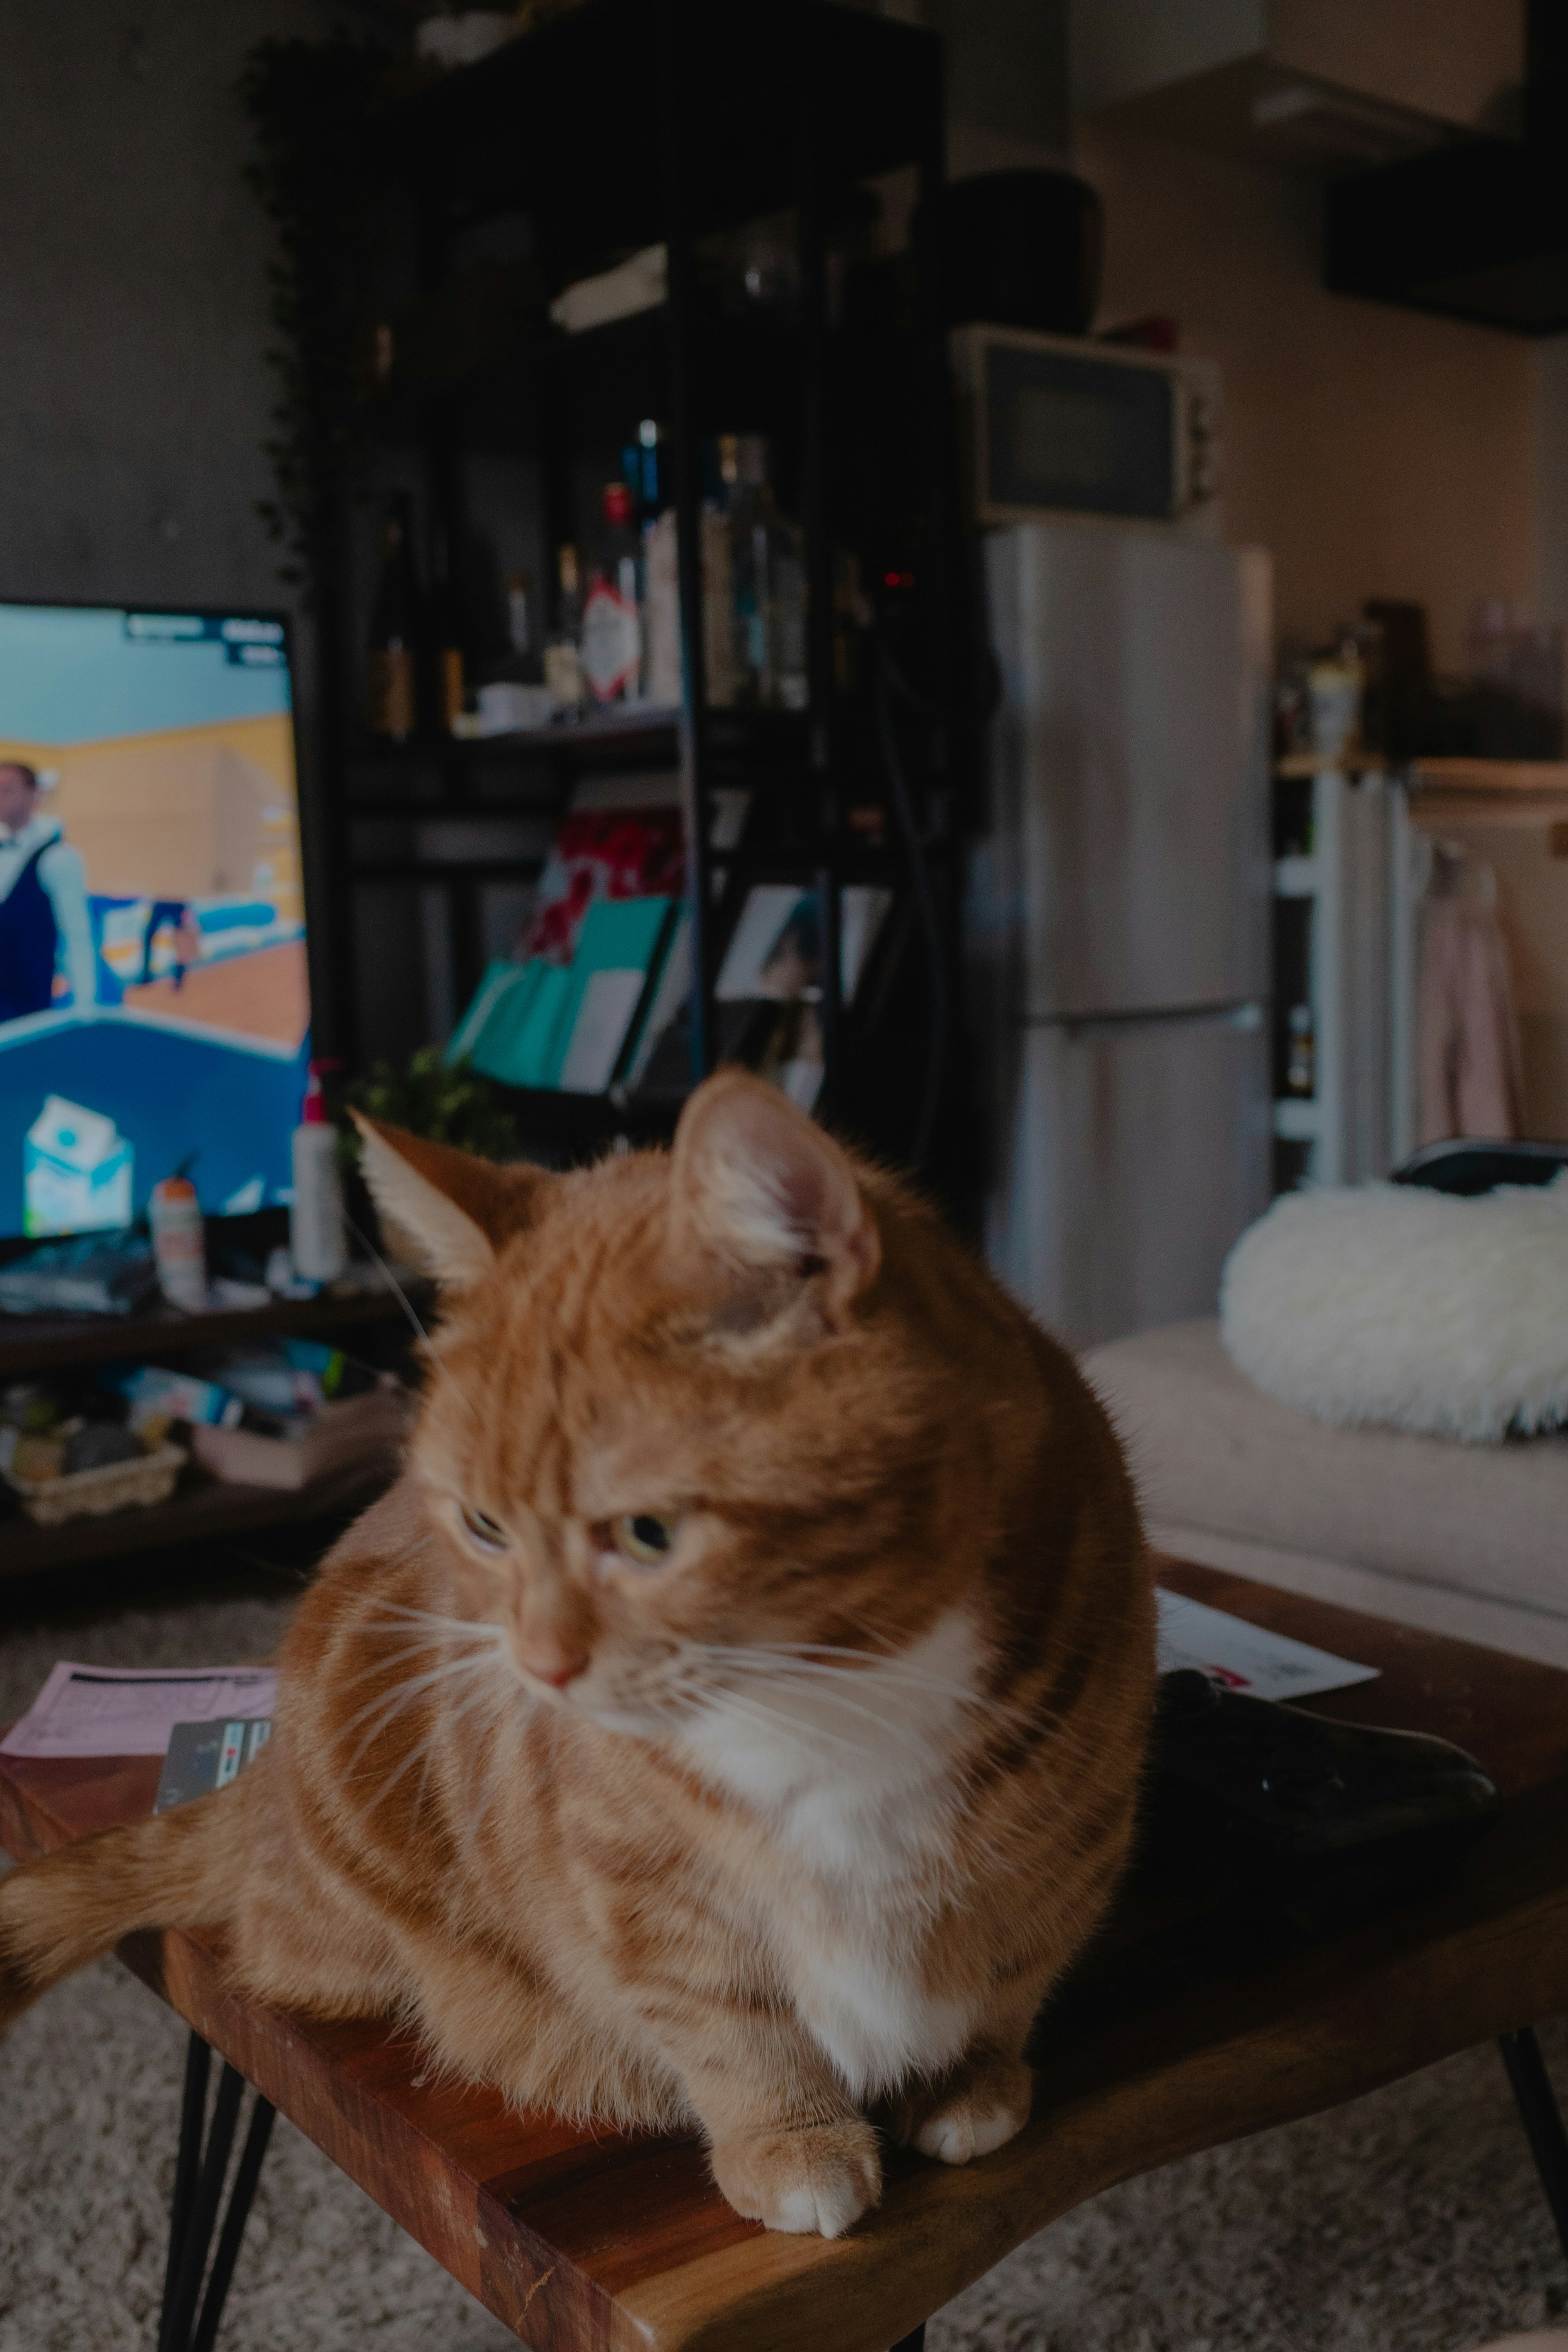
(644, 1536)
(488, 1533)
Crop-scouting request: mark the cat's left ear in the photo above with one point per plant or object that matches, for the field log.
(450, 1209)
(759, 1188)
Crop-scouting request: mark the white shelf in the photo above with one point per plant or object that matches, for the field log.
(1298, 877)
(1299, 1118)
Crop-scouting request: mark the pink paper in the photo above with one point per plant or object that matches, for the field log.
(131, 1711)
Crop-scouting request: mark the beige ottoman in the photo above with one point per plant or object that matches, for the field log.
(1465, 1539)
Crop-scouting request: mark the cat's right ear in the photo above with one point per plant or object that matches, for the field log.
(448, 1211)
(760, 1191)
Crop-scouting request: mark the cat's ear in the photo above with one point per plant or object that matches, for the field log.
(451, 1211)
(759, 1187)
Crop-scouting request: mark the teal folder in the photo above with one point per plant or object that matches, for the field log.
(501, 979)
(524, 1052)
(617, 946)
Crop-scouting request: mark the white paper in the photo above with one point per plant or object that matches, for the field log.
(599, 1032)
(131, 1711)
(669, 995)
(1245, 1657)
(769, 906)
(862, 910)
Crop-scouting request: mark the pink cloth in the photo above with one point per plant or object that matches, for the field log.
(1468, 1056)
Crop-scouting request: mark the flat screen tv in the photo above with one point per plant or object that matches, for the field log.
(155, 1007)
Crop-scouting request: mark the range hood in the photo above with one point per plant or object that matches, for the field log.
(1478, 230)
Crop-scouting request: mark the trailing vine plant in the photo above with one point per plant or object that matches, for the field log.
(313, 107)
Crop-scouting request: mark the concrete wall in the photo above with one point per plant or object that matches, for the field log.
(133, 399)
(1378, 452)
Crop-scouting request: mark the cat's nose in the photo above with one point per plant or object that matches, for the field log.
(556, 1671)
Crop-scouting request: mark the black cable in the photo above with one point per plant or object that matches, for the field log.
(925, 905)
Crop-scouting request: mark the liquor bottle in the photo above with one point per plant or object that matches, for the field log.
(718, 579)
(647, 487)
(768, 588)
(391, 691)
(447, 635)
(612, 640)
(1301, 1053)
(563, 661)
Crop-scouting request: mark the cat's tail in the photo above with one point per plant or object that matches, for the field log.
(180, 1869)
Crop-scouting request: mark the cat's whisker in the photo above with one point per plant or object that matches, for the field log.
(407, 1306)
(504, 1745)
(884, 1723)
(787, 1658)
(397, 1616)
(415, 1649)
(389, 1705)
(753, 1710)
(441, 1729)
(406, 1686)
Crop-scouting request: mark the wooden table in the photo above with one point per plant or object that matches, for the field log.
(1181, 2034)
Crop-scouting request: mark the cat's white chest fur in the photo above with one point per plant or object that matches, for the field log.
(851, 1773)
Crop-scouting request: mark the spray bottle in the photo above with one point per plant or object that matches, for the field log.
(179, 1242)
(316, 1231)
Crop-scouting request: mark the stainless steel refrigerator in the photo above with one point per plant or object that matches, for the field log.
(1118, 921)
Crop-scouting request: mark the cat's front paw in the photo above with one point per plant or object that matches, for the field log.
(821, 2178)
(980, 2108)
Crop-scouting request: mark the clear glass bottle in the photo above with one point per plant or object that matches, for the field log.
(611, 610)
(767, 559)
(522, 661)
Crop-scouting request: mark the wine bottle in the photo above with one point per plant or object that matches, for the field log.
(392, 690)
(449, 663)
(562, 658)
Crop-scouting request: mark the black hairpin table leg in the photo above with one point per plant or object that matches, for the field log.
(198, 2192)
(1542, 2118)
(914, 2342)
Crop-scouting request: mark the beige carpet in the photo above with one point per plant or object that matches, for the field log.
(1409, 2222)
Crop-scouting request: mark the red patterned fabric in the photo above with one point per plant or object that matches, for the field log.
(602, 854)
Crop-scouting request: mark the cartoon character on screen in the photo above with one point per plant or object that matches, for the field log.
(44, 920)
(176, 916)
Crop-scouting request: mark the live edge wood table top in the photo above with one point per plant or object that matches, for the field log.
(1181, 2034)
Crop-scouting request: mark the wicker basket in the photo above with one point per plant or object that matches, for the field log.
(88, 1494)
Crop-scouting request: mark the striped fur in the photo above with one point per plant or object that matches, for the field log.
(786, 1837)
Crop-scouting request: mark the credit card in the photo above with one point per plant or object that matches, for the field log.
(206, 1755)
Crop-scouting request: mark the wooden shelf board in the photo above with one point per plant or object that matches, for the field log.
(509, 132)
(1301, 766)
(1489, 792)
(1510, 779)
(619, 727)
(201, 1510)
(36, 1343)
(547, 1116)
(1432, 810)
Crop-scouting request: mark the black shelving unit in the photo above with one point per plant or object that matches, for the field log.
(624, 124)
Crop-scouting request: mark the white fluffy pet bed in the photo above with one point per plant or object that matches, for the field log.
(1392, 1303)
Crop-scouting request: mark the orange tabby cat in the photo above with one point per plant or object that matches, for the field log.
(735, 1714)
